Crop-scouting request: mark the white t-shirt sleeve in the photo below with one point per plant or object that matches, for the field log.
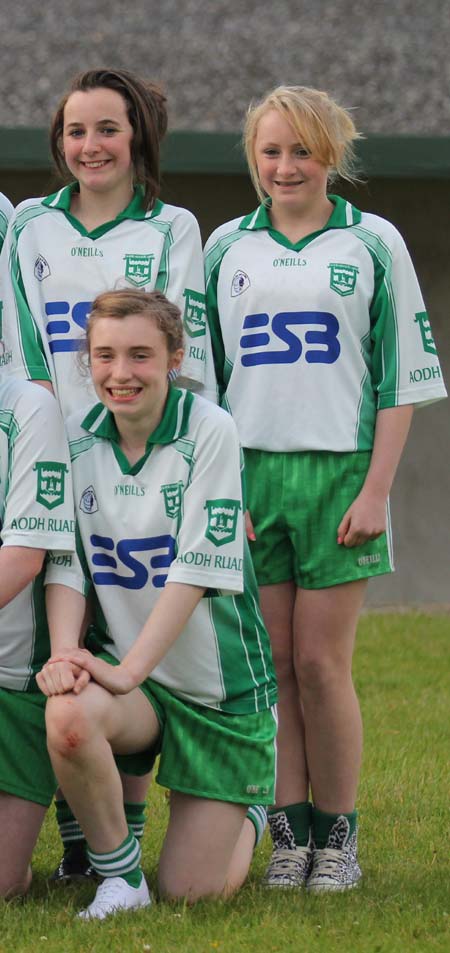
(210, 539)
(406, 367)
(6, 210)
(67, 570)
(186, 287)
(23, 353)
(38, 510)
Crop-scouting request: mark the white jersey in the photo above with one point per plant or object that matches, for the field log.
(36, 511)
(175, 516)
(311, 339)
(52, 269)
(6, 210)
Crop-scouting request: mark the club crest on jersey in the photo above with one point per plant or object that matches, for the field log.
(194, 318)
(172, 498)
(239, 283)
(138, 269)
(343, 278)
(88, 502)
(426, 333)
(222, 520)
(41, 268)
(50, 483)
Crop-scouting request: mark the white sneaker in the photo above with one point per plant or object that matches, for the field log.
(288, 867)
(335, 867)
(116, 894)
(289, 864)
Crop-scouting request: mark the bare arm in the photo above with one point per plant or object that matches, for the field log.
(66, 613)
(166, 622)
(366, 517)
(18, 567)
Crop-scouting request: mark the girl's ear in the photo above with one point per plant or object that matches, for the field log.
(174, 365)
(176, 359)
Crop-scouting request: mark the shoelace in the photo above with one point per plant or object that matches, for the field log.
(328, 860)
(286, 859)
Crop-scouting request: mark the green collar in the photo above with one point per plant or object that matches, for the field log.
(174, 424)
(343, 215)
(135, 210)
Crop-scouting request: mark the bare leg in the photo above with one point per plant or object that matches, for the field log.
(82, 732)
(241, 858)
(198, 848)
(277, 605)
(135, 787)
(20, 823)
(325, 628)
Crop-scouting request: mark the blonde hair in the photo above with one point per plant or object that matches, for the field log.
(324, 129)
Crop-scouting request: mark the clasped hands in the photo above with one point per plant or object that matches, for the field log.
(71, 670)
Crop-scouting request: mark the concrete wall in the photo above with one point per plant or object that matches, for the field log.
(421, 495)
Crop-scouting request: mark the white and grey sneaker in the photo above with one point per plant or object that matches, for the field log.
(116, 894)
(289, 864)
(335, 867)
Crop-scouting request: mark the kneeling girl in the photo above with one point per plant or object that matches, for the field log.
(179, 661)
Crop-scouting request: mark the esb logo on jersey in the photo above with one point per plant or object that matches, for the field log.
(315, 336)
(127, 563)
(65, 323)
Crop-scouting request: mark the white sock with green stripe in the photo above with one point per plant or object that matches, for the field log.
(257, 814)
(123, 862)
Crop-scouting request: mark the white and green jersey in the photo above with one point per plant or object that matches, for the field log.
(175, 516)
(6, 210)
(52, 269)
(311, 339)
(36, 511)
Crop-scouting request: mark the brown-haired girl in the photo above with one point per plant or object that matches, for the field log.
(106, 229)
(179, 658)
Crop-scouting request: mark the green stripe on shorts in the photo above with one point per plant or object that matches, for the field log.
(216, 754)
(205, 752)
(297, 501)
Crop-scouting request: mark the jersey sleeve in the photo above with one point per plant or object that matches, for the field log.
(69, 569)
(6, 210)
(23, 351)
(210, 538)
(38, 510)
(212, 260)
(181, 279)
(405, 367)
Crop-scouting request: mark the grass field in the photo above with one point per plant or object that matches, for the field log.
(402, 673)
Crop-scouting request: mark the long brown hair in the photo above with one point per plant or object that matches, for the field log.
(146, 110)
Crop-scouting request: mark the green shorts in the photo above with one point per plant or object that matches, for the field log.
(25, 767)
(296, 501)
(208, 753)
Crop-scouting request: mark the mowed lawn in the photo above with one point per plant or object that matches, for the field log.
(402, 673)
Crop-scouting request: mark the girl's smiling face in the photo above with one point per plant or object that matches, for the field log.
(96, 142)
(130, 361)
(295, 181)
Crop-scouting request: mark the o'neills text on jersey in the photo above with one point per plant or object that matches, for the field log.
(83, 252)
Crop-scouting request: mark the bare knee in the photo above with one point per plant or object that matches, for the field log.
(319, 673)
(16, 883)
(188, 886)
(68, 728)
